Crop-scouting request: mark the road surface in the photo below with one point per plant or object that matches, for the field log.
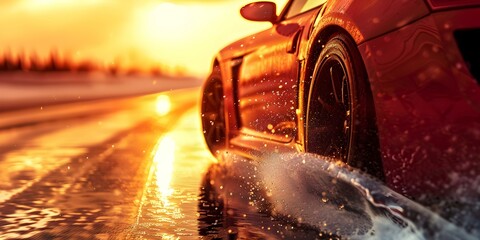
(123, 168)
(137, 168)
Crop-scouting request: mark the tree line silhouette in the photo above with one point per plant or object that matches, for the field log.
(55, 63)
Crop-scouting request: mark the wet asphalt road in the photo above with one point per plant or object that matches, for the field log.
(138, 168)
(131, 169)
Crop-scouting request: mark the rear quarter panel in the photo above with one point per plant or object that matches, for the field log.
(366, 19)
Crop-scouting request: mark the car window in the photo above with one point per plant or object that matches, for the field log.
(300, 6)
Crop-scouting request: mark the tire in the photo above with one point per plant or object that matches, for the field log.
(340, 113)
(213, 113)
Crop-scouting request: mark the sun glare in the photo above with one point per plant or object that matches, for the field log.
(166, 20)
(165, 32)
(175, 34)
(164, 159)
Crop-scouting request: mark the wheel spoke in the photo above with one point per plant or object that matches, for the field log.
(210, 133)
(217, 93)
(211, 101)
(334, 89)
(219, 132)
(344, 90)
(325, 105)
(211, 116)
(221, 115)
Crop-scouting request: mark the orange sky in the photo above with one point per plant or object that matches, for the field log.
(184, 33)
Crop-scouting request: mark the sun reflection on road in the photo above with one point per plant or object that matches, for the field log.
(168, 203)
(164, 159)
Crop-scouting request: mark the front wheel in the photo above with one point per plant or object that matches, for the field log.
(213, 116)
(340, 115)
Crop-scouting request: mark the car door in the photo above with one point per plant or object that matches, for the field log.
(268, 77)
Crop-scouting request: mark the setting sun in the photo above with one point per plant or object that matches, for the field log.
(164, 19)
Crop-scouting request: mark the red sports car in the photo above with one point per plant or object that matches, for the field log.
(389, 87)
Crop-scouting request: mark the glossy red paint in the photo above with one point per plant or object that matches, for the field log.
(425, 98)
(427, 103)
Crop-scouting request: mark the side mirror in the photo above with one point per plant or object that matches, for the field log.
(260, 12)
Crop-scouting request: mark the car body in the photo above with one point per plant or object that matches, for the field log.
(389, 87)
